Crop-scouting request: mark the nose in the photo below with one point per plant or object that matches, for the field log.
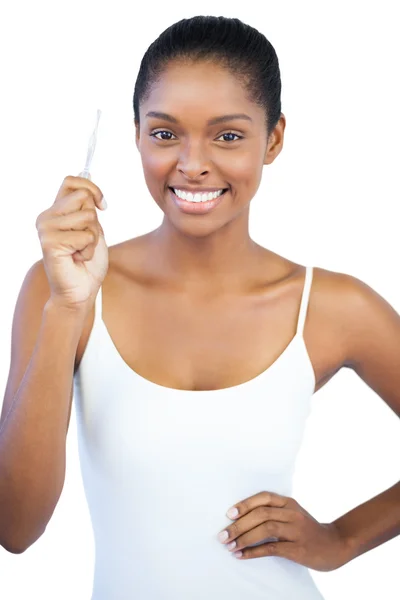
(193, 162)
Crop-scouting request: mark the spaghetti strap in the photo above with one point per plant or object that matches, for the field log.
(304, 300)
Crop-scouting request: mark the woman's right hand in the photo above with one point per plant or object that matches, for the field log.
(75, 254)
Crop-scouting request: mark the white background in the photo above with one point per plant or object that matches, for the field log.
(330, 200)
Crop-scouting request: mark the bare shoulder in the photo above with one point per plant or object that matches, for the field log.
(358, 310)
(370, 334)
(331, 302)
(334, 298)
(362, 327)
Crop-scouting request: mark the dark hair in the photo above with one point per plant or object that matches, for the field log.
(240, 48)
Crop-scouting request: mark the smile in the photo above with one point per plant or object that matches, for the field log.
(197, 207)
(197, 197)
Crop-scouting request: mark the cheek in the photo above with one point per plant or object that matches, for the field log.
(245, 164)
(155, 168)
(153, 161)
(244, 172)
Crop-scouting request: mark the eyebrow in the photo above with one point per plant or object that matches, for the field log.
(213, 121)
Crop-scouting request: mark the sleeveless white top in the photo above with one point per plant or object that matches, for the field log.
(161, 467)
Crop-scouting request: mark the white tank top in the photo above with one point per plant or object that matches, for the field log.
(161, 467)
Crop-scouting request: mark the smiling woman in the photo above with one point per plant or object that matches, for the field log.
(202, 153)
(208, 118)
(195, 352)
(223, 127)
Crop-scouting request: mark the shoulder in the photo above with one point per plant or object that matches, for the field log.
(333, 299)
(366, 322)
(341, 294)
(370, 330)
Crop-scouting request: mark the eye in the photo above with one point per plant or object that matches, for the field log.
(155, 133)
(240, 137)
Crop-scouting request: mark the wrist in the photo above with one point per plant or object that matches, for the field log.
(54, 306)
(347, 545)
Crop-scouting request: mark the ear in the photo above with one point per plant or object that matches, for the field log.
(275, 141)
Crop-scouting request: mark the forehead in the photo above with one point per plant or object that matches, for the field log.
(204, 87)
(178, 72)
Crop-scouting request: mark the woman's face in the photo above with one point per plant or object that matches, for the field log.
(184, 149)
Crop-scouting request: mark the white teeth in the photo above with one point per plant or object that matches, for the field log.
(198, 197)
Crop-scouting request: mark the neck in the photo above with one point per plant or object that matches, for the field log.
(223, 260)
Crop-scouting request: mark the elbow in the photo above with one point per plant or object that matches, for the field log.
(22, 528)
(13, 549)
(14, 546)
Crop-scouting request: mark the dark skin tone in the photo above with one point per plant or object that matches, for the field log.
(205, 253)
(209, 273)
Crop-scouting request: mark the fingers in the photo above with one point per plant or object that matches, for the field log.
(84, 189)
(78, 221)
(82, 219)
(73, 209)
(68, 240)
(260, 523)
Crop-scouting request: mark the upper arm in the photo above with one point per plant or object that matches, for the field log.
(33, 295)
(372, 339)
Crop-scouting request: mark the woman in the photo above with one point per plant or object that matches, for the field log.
(193, 350)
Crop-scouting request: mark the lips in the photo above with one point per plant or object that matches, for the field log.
(196, 208)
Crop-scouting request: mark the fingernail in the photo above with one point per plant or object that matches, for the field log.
(103, 203)
(223, 536)
(232, 513)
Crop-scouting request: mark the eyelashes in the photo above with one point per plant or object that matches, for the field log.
(154, 133)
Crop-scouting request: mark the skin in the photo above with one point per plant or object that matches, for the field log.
(192, 264)
(198, 249)
(215, 250)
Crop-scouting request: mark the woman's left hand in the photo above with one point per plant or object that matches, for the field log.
(301, 538)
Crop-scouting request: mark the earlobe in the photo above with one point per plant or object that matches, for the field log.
(275, 142)
(268, 157)
(273, 149)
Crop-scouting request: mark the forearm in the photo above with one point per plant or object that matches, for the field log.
(33, 433)
(372, 523)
